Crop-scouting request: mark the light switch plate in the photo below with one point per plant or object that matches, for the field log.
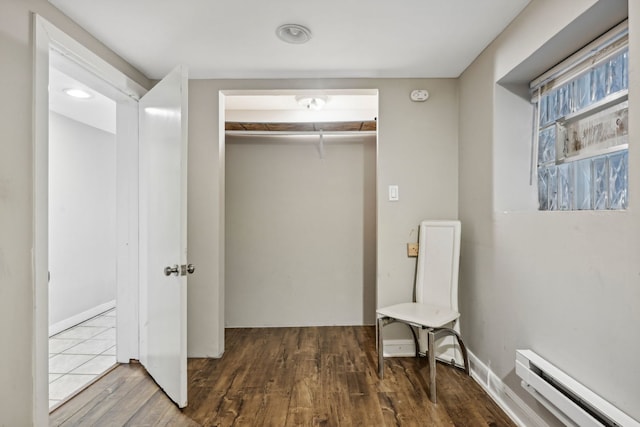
(394, 196)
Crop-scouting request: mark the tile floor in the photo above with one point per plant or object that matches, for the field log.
(79, 355)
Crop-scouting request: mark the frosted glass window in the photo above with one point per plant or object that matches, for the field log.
(583, 184)
(552, 185)
(543, 111)
(543, 189)
(552, 106)
(565, 187)
(547, 145)
(598, 82)
(582, 131)
(563, 100)
(618, 164)
(625, 69)
(614, 74)
(581, 94)
(600, 185)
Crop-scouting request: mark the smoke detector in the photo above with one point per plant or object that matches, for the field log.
(419, 95)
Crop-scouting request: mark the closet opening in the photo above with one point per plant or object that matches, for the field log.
(300, 207)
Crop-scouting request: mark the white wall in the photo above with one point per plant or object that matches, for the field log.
(564, 284)
(300, 231)
(417, 150)
(82, 218)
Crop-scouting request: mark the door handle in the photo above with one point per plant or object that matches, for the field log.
(179, 270)
(168, 271)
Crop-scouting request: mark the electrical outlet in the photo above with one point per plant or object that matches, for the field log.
(412, 249)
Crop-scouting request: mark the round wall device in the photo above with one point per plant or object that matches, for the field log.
(419, 95)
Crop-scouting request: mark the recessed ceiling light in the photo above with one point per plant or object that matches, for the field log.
(293, 33)
(77, 93)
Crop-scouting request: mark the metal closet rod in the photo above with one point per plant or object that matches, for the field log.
(299, 133)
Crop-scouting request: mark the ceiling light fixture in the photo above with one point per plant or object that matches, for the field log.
(293, 33)
(312, 102)
(77, 93)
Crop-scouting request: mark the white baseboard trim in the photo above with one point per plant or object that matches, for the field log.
(80, 317)
(399, 348)
(510, 403)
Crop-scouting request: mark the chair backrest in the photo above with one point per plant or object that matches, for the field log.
(438, 263)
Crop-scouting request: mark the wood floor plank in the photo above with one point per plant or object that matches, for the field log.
(334, 409)
(317, 376)
(304, 394)
(127, 406)
(207, 405)
(156, 409)
(177, 419)
(92, 412)
(82, 409)
(228, 410)
(365, 409)
(264, 409)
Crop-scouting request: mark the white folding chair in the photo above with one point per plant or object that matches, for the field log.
(435, 309)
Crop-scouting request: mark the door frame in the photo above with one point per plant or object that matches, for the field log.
(126, 92)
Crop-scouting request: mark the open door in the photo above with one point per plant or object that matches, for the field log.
(163, 234)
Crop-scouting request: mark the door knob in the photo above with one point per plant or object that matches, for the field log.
(191, 268)
(168, 271)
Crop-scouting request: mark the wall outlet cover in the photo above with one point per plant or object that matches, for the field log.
(412, 249)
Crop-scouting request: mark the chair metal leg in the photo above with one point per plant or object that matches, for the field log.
(432, 335)
(440, 332)
(465, 356)
(431, 341)
(415, 339)
(380, 325)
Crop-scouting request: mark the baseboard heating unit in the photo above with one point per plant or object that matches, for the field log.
(567, 399)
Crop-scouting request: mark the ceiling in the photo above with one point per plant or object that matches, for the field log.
(98, 110)
(236, 39)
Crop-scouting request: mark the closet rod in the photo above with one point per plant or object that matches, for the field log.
(299, 133)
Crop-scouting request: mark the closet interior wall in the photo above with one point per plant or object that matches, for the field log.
(300, 230)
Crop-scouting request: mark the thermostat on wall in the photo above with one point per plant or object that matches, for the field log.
(419, 95)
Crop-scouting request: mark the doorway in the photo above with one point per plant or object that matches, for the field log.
(82, 231)
(300, 207)
(55, 49)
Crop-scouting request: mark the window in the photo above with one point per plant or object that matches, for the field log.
(581, 127)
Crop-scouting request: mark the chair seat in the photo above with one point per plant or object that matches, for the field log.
(420, 314)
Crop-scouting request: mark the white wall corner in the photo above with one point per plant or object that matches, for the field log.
(509, 402)
(74, 320)
(399, 348)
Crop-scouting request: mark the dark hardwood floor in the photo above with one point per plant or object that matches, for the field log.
(319, 376)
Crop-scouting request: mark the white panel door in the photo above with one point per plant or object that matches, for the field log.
(163, 234)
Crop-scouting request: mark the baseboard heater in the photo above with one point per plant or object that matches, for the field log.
(567, 399)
